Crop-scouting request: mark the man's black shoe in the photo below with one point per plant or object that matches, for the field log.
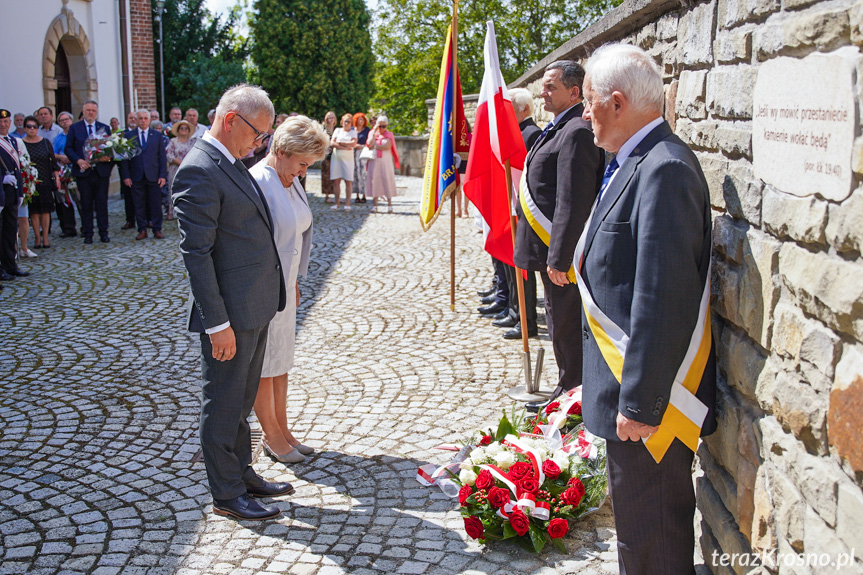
(507, 321)
(88, 240)
(4, 277)
(68, 235)
(244, 507)
(259, 487)
(501, 315)
(485, 292)
(515, 333)
(489, 298)
(493, 309)
(18, 273)
(104, 239)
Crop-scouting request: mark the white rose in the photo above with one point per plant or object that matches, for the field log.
(561, 423)
(467, 476)
(562, 460)
(478, 454)
(493, 449)
(466, 464)
(504, 459)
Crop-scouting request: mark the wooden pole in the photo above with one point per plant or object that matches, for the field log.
(522, 312)
(452, 204)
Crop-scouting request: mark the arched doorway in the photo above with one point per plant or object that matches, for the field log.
(63, 93)
(68, 65)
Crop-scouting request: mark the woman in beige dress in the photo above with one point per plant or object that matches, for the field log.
(381, 179)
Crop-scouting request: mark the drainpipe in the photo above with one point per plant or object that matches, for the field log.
(124, 51)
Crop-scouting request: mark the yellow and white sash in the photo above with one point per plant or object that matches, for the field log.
(537, 221)
(685, 413)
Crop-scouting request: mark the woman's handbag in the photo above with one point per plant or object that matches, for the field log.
(367, 153)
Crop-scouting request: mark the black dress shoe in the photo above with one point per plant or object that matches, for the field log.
(502, 315)
(244, 507)
(259, 487)
(18, 272)
(515, 333)
(507, 321)
(489, 298)
(88, 240)
(493, 309)
(68, 235)
(485, 292)
(4, 277)
(104, 239)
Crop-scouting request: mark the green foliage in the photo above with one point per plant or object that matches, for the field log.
(204, 55)
(313, 56)
(504, 428)
(411, 37)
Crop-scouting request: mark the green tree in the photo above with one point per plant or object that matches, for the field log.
(204, 54)
(411, 36)
(313, 55)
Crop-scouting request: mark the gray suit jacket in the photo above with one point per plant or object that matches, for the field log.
(645, 262)
(226, 240)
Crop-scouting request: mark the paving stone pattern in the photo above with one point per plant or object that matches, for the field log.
(100, 395)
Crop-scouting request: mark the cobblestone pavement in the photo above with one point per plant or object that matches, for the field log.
(99, 402)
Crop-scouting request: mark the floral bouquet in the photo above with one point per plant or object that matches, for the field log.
(68, 185)
(30, 177)
(563, 414)
(528, 487)
(113, 146)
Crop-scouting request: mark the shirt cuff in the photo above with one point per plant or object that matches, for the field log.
(218, 328)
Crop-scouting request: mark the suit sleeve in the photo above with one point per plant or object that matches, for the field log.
(668, 224)
(197, 206)
(71, 141)
(163, 158)
(577, 186)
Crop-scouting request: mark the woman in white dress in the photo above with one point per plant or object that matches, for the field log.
(342, 163)
(297, 144)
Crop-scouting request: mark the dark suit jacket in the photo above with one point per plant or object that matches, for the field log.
(151, 164)
(529, 132)
(564, 172)
(7, 167)
(226, 239)
(645, 262)
(75, 140)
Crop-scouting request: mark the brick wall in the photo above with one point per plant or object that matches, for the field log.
(142, 57)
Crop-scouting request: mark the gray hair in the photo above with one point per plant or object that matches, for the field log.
(156, 125)
(247, 101)
(143, 111)
(629, 70)
(521, 99)
(20, 115)
(61, 114)
(300, 135)
(94, 102)
(571, 73)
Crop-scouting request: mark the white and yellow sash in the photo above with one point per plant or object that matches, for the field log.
(685, 413)
(537, 221)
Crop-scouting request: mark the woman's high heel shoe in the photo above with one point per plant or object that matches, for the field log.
(293, 456)
(304, 449)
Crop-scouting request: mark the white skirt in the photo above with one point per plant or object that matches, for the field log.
(342, 165)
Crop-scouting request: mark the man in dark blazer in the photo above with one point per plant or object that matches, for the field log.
(92, 177)
(10, 197)
(146, 173)
(645, 264)
(563, 172)
(226, 239)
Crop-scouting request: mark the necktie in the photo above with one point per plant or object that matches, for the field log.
(606, 177)
(89, 129)
(143, 138)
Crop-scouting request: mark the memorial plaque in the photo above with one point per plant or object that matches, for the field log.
(803, 125)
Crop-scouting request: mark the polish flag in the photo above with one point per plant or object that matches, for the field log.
(496, 138)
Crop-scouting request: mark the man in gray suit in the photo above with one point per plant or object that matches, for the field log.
(237, 286)
(645, 261)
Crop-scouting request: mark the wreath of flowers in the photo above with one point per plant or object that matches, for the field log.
(30, 177)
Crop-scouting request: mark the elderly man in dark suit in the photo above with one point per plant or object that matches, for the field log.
(645, 279)
(10, 196)
(92, 177)
(237, 287)
(561, 178)
(146, 173)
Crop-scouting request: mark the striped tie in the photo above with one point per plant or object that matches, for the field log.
(606, 178)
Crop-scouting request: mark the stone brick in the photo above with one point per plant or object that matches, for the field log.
(788, 327)
(666, 26)
(725, 96)
(690, 94)
(735, 12)
(787, 216)
(855, 17)
(729, 237)
(802, 410)
(762, 534)
(849, 517)
(722, 524)
(721, 480)
(670, 112)
(826, 287)
(715, 170)
(732, 47)
(696, 34)
(741, 361)
(844, 229)
(734, 138)
(800, 35)
(845, 418)
(723, 443)
(698, 135)
(820, 537)
(733, 187)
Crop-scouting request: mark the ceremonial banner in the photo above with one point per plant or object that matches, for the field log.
(441, 175)
(496, 139)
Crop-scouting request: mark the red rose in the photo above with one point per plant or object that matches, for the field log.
(536, 431)
(576, 484)
(484, 480)
(552, 407)
(498, 497)
(529, 484)
(519, 521)
(486, 439)
(519, 470)
(575, 409)
(557, 528)
(473, 526)
(551, 469)
(572, 496)
(463, 494)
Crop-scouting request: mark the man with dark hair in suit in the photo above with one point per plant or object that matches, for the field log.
(146, 173)
(561, 178)
(92, 177)
(10, 198)
(237, 286)
(645, 281)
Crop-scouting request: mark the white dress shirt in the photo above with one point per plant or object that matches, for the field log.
(631, 143)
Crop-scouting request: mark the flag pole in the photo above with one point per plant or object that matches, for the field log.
(452, 204)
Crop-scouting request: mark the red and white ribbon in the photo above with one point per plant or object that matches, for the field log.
(531, 454)
(566, 402)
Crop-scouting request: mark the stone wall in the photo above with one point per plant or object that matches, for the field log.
(784, 471)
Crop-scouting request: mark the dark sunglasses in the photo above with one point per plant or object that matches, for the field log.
(31, 127)
(261, 136)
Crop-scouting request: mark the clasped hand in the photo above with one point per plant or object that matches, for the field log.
(631, 430)
(556, 277)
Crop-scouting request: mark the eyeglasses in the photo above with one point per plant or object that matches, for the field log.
(261, 136)
(31, 127)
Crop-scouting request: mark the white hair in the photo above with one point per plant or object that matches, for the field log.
(143, 111)
(629, 70)
(383, 120)
(300, 135)
(521, 99)
(247, 101)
